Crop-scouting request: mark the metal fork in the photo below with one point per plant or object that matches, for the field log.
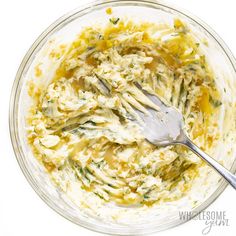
(165, 127)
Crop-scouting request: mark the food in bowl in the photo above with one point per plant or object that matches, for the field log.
(86, 138)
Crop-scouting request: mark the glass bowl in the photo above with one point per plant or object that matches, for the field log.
(64, 31)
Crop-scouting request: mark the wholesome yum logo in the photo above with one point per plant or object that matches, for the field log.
(211, 219)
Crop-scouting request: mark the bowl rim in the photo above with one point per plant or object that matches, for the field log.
(15, 93)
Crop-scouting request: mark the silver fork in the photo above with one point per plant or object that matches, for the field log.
(165, 127)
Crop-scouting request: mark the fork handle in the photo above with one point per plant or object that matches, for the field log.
(216, 165)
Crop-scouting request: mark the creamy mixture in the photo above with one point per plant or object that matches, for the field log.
(85, 136)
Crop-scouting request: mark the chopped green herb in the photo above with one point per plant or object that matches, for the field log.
(99, 164)
(215, 102)
(100, 37)
(81, 171)
(74, 131)
(105, 190)
(99, 195)
(90, 48)
(181, 90)
(192, 68)
(158, 76)
(114, 21)
(90, 122)
(71, 127)
(87, 170)
(203, 61)
(44, 110)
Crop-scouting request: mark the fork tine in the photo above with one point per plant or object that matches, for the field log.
(135, 110)
(152, 97)
(140, 113)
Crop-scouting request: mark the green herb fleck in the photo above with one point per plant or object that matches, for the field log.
(99, 195)
(131, 65)
(100, 37)
(181, 90)
(90, 122)
(90, 48)
(87, 170)
(114, 21)
(215, 102)
(81, 171)
(192, 68)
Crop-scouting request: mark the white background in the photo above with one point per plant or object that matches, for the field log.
(22, 212)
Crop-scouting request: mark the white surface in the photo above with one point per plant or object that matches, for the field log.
(22, 212)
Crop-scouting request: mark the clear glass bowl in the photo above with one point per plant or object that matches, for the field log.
(63, 31)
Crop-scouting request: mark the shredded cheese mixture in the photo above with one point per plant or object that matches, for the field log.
(84, 135)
